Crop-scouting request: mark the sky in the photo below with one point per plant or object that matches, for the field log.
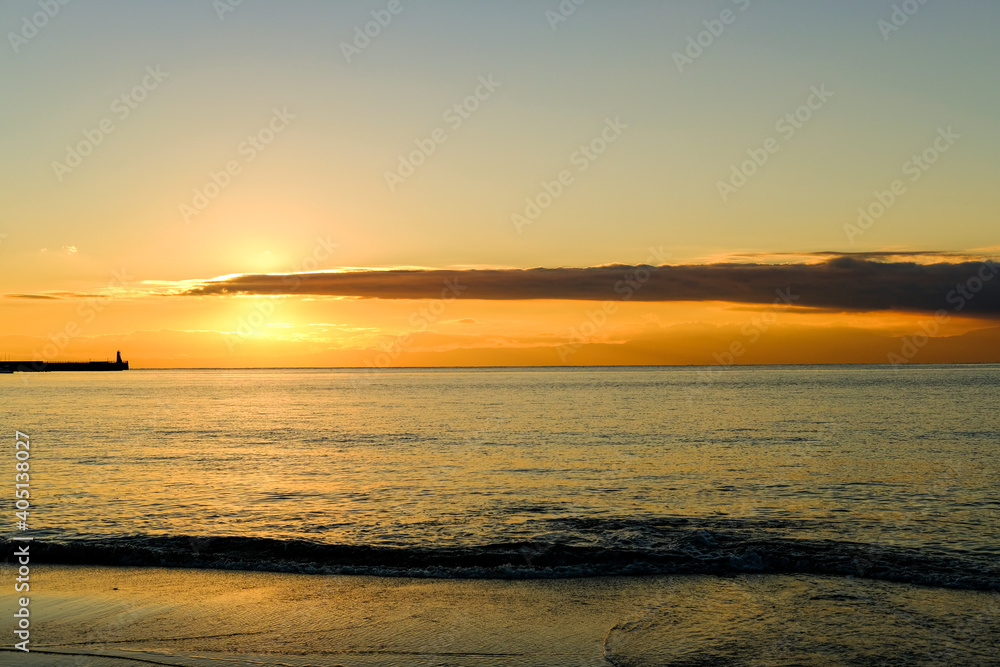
(420, 182)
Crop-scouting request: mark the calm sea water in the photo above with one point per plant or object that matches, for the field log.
(890, 473)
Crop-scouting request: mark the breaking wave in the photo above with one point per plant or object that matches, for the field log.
(579, 548)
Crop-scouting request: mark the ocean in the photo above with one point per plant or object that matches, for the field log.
(842, 477)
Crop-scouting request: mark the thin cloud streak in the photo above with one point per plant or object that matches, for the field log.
(30, 296)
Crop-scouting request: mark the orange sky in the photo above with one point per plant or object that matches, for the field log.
(152, 148)
(238, 331)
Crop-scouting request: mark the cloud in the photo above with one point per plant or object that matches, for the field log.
(838, 282)
(30, 296)
(919, 257)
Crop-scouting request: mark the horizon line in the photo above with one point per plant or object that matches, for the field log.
(557, 366)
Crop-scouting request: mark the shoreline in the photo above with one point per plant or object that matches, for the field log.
(128, 615)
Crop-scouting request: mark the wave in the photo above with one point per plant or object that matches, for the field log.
(689, 552)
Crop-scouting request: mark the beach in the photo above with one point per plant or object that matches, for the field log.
(125, 616)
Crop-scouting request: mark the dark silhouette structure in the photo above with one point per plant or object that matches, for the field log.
(48, 366)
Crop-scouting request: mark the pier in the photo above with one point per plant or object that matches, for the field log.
(50, 366)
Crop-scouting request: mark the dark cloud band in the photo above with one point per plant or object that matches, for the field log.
(842, 282)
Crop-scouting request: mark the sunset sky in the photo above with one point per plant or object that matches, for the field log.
(206, 184)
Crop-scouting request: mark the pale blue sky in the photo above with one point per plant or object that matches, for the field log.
(656, 185)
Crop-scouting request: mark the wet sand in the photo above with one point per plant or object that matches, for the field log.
(138, 616)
